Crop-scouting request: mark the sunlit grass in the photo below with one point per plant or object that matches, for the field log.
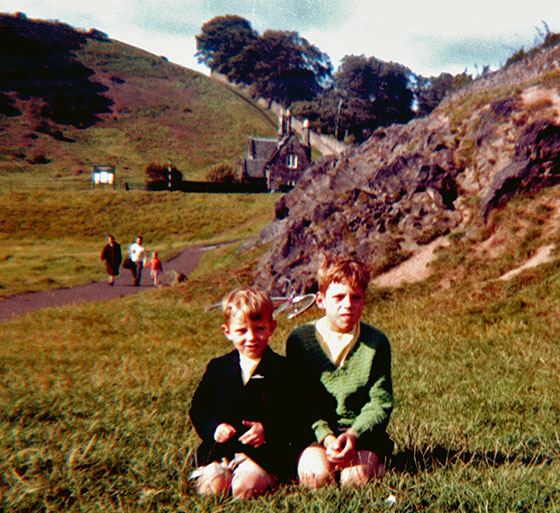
(94, 405)
(53, 239)
(94, 398)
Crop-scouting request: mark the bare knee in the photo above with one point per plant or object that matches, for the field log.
(314, 470)
(250, 480)
(365, 468)
(215, 479)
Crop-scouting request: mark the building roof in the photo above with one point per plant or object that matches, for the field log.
(260, 148)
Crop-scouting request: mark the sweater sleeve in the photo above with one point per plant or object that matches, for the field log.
(375, 413)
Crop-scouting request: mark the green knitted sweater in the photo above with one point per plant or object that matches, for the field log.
(361, 388)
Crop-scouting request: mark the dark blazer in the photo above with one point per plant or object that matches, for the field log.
(221, 397)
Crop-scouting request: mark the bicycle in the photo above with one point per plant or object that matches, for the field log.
(291, 305)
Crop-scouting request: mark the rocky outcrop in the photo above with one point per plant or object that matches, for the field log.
(409, 184)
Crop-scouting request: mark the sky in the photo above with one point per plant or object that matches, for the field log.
(427, 36)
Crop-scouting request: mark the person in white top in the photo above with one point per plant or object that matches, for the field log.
(138, 258)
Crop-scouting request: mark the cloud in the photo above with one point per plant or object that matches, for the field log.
(427, 36)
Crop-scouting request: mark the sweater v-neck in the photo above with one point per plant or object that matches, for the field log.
(326, 362)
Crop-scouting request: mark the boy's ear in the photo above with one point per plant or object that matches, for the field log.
(320, 300)
(225, 329)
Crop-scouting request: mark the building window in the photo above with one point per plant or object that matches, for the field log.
(291, 161)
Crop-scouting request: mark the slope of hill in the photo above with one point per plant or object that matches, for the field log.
(70, 99)
(449, 174)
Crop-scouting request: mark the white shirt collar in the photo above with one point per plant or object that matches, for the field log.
(248, 366)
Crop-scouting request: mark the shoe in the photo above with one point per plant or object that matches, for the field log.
(111, 283)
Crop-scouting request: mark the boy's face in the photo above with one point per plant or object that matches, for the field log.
(343, 305)
(249, 336)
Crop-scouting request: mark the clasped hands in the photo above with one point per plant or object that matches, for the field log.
(254, 436)
(340, 450)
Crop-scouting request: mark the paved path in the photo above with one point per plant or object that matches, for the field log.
(20, 304)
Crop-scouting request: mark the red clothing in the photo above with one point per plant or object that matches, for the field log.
(155, 264)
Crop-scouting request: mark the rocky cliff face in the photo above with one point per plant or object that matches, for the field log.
(409, 184)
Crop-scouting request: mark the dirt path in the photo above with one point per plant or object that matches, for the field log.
(20, 304)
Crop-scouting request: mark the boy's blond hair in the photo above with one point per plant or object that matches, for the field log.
(253, 302)
(349, 271)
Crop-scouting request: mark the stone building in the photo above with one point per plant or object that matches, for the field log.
(277, 164)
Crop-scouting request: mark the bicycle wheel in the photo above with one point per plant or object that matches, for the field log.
(300, 304)
(282, 307)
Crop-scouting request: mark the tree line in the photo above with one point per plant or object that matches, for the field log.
(349, 103)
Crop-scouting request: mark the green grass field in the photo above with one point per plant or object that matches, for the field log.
(94, 398)
(54, 239)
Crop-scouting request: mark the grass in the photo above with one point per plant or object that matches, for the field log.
(94, 404)
(160, 112)
(94, 398)
(41, 249)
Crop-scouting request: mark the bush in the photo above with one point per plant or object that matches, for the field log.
(157, 177)
(39, 159)
(223, 173)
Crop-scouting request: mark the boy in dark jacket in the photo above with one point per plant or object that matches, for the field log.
(240, 408)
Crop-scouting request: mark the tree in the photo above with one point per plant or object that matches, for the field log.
(160, 177)
(221, 39)
(282, 66)
(384, 87)
(366, 93)
(431, 91)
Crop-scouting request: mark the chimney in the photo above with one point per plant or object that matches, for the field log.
(306, 134)
(288, 130)
(281, 123)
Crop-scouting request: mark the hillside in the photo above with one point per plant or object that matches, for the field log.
(439, 181)
(71, 99)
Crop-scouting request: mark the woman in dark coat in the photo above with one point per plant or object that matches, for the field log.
(112, 256)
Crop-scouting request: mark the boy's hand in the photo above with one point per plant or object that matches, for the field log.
(255, 435)
(341, 450)
(224, 432)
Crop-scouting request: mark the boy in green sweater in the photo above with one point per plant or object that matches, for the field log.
(343, 368)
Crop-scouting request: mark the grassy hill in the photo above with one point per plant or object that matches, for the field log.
(94, 398)
(71, 99)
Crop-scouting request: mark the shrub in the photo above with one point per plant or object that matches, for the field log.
(157, 177)
(223, 173)
(39, 159)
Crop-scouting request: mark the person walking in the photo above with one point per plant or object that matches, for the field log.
(156, 268)
(112, 256)
(138, 259)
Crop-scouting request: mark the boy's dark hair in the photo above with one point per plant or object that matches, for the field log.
(350, 271)
(253, 301)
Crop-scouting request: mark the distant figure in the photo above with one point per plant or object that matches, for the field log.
(156, 267)
(112, 256)
(138, 259)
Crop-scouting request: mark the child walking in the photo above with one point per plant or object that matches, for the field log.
(241, 407)
(343, 370)
(156, 267)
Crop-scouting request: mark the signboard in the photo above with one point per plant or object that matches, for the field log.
(103, 175)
